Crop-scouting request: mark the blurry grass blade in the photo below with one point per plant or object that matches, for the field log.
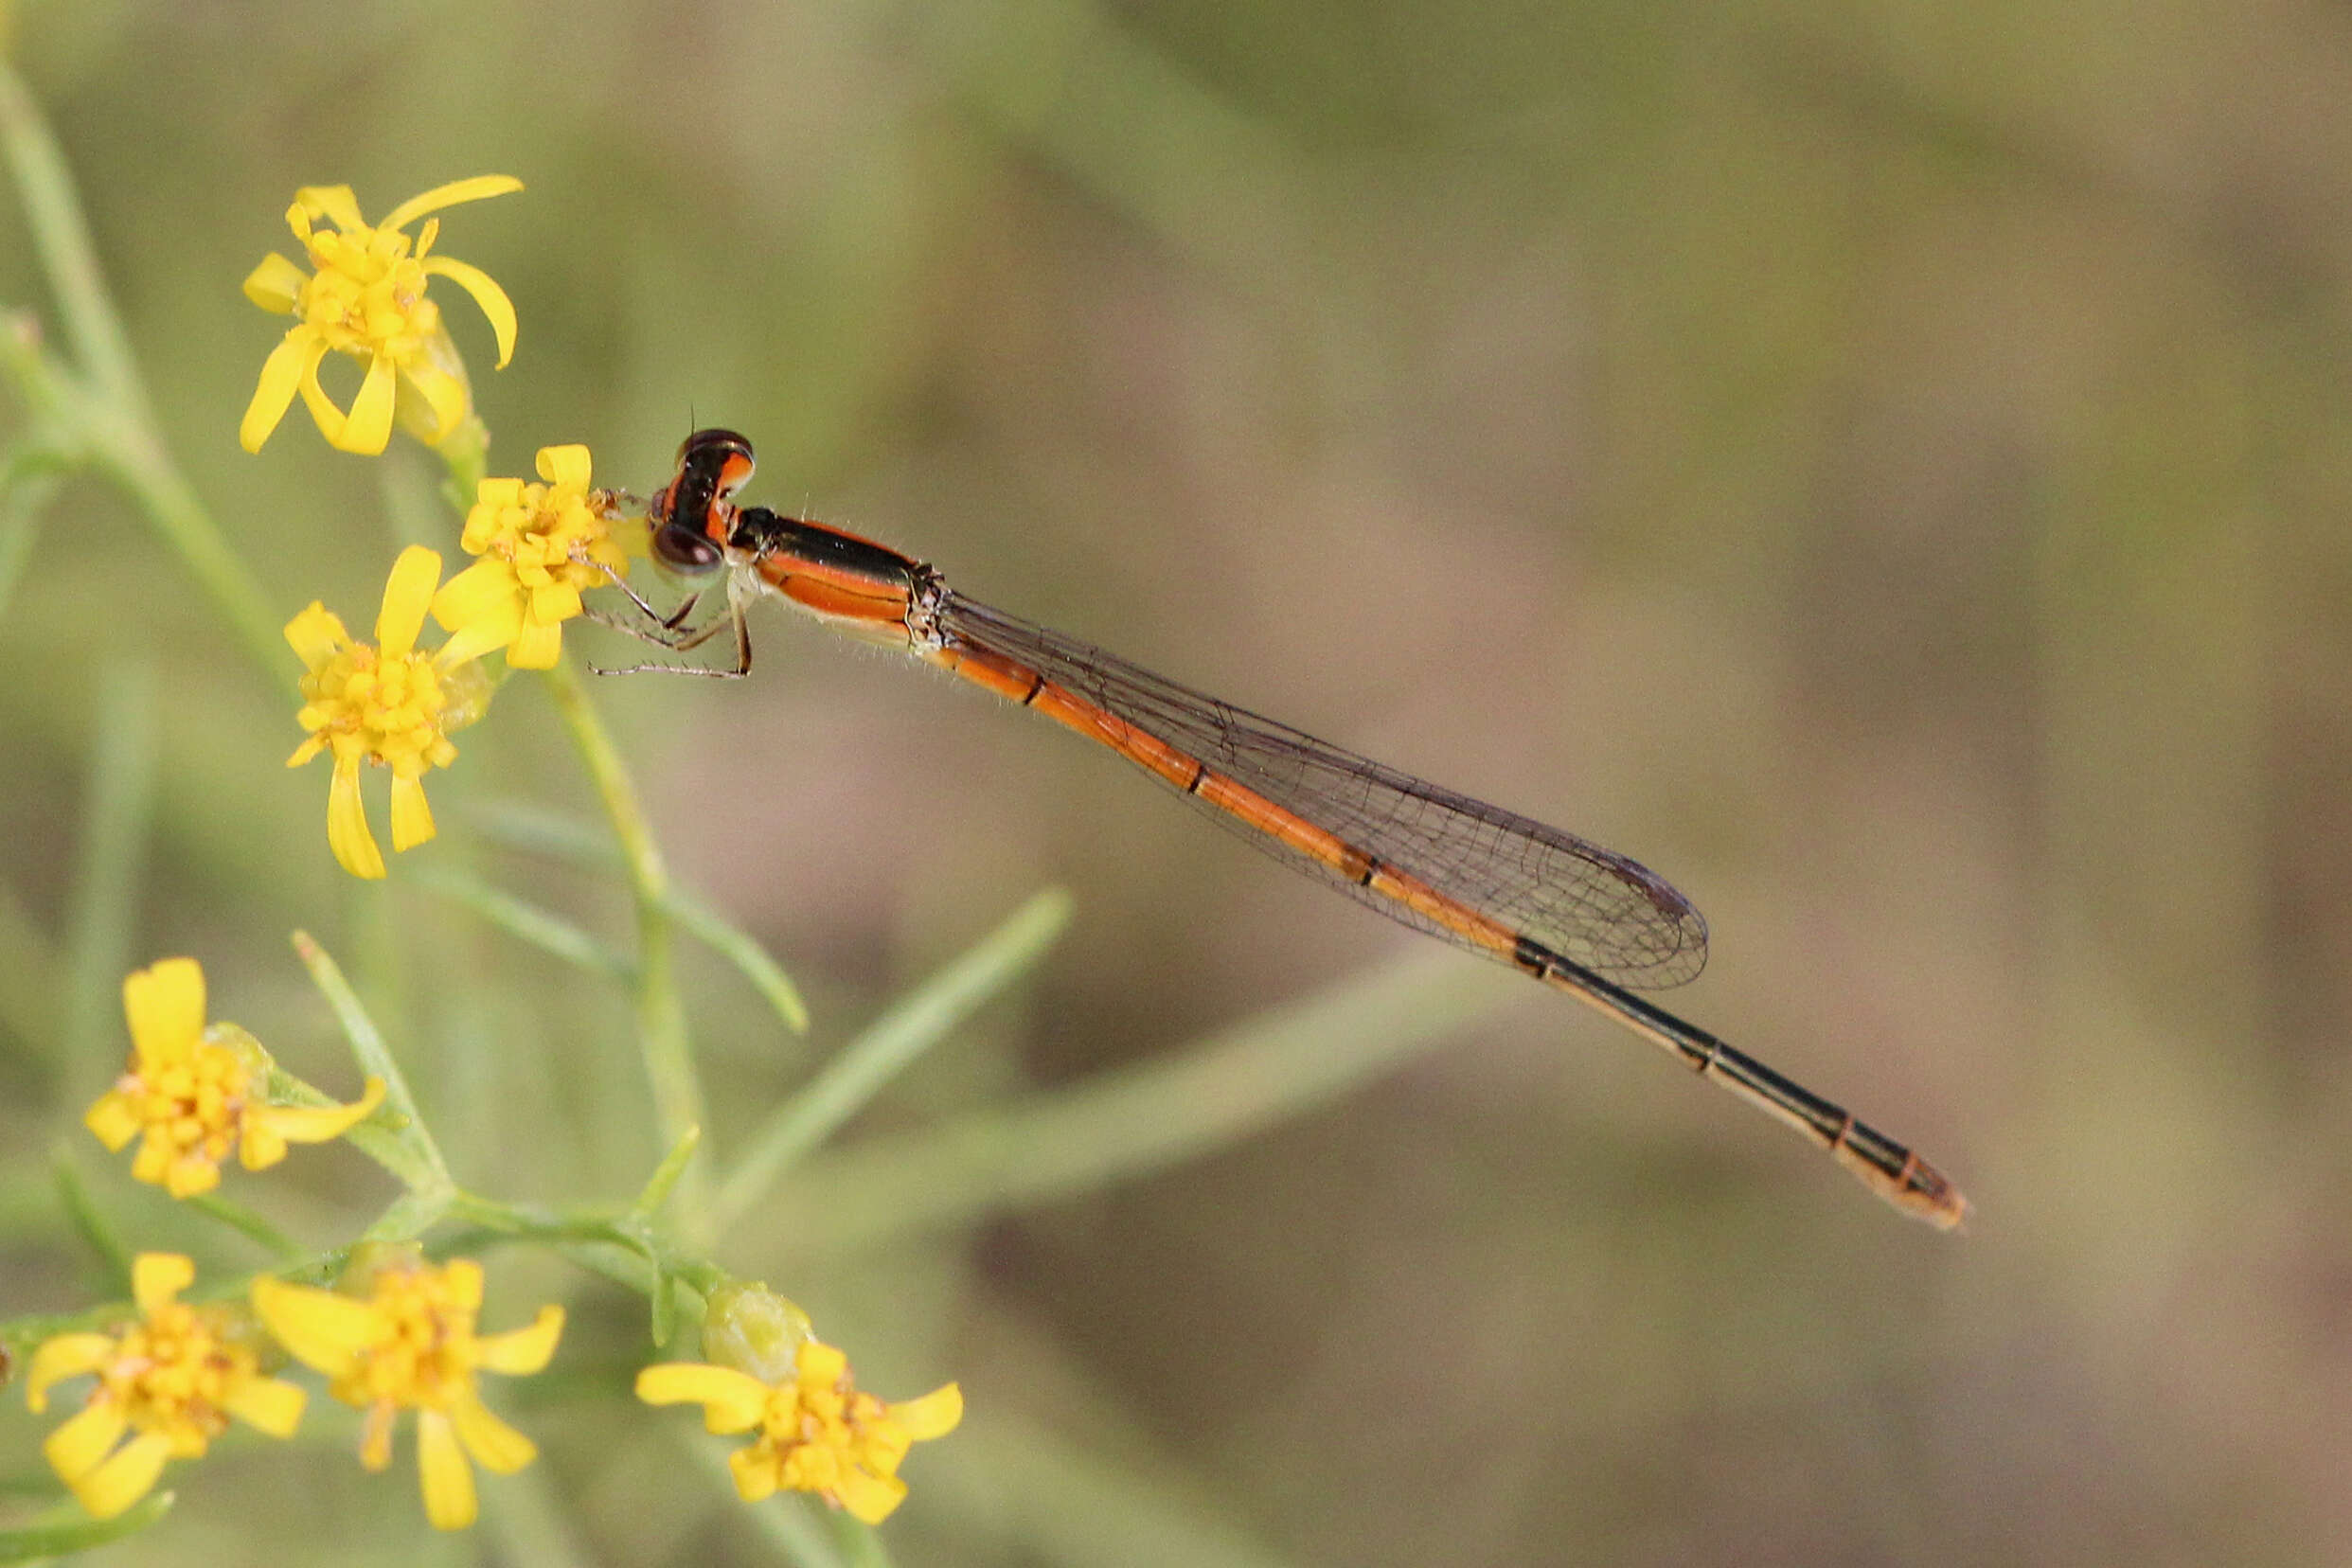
(663, 1041)
(61, 238)
(248, 1224)
(525, 923)
(411, 1154)
(106, 405)
(91, 1224)
(744, 951)
(1126, 1123)
(31, 977)
(118, 795)
(860, 1544)
(1015, 1489)
(411, 1214)
(664, 1322)
(34, 1542)
(666, 1174)
(536, 830)
(28, 482)
(912, 1025)
(21, 507)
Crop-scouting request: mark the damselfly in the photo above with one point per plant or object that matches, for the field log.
(1580, 918)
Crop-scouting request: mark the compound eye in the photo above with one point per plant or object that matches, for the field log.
(683, 549)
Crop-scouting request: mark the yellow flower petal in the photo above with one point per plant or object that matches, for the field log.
(66, 1355)
(276, 285)
(114, 1118)
(319, 1328)
(870, 1499)
(445, 394)
(537, 645)
(334, 203)
(447, 1479)
(259, 1146)
(412, 816)
(731, 1401)
(165, 1004)
(482, 591)
(75, 1449)
(376, 1436)
(474, 190)
(368, 429)
(483, 636)
(935, 1414)
(820, 1365)
(564, 465)
(192, 1175)
(347, 833)
(324, 413)
(557, 601)
(317, 635)
(519, 1352)
(293, 362)
(407, 594)
(318, 1123)
(270, 1405)
(156, 1277)
(496, 1446)
(487, 293)
(125, 1478)
(755, 1476)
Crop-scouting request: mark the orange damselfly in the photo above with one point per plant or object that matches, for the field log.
(1580, 918)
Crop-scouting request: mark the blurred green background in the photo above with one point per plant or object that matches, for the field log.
(1883, 464)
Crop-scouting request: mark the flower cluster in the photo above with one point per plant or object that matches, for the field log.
(397, 1331)
(404, 1338)
(384, 703)
(168, 1380)
(815, 1431)
(541, 545)
(196, 1093)
(366, 297)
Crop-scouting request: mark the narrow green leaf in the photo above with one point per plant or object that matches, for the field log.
(415, 1159)
(917, 1021)
(525, 921)
(248, 1224)
(536, 830)
(90, 1223)
(1127, 1122)
(120, 792)
(35, 1542)
(743, 950)
(665, 1175)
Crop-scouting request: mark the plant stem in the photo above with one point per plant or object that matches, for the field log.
(662, 1041)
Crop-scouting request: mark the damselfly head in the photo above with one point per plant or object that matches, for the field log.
(694, 515)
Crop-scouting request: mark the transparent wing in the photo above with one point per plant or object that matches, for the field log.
(1586, 904)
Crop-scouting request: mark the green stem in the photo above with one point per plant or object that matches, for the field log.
(916, 1022)
(61, 236)
(678, 1103)
(106, 406)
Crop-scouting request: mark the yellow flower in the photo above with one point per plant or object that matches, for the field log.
(389, 704)
(366, 297)
(172, 1379)
(197, 1092)
(409, 1343)
(540, 545)
(817, 1433)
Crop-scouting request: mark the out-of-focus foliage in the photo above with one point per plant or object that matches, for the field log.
(1885, 466)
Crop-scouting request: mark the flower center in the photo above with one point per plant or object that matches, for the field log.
(172, 1371)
